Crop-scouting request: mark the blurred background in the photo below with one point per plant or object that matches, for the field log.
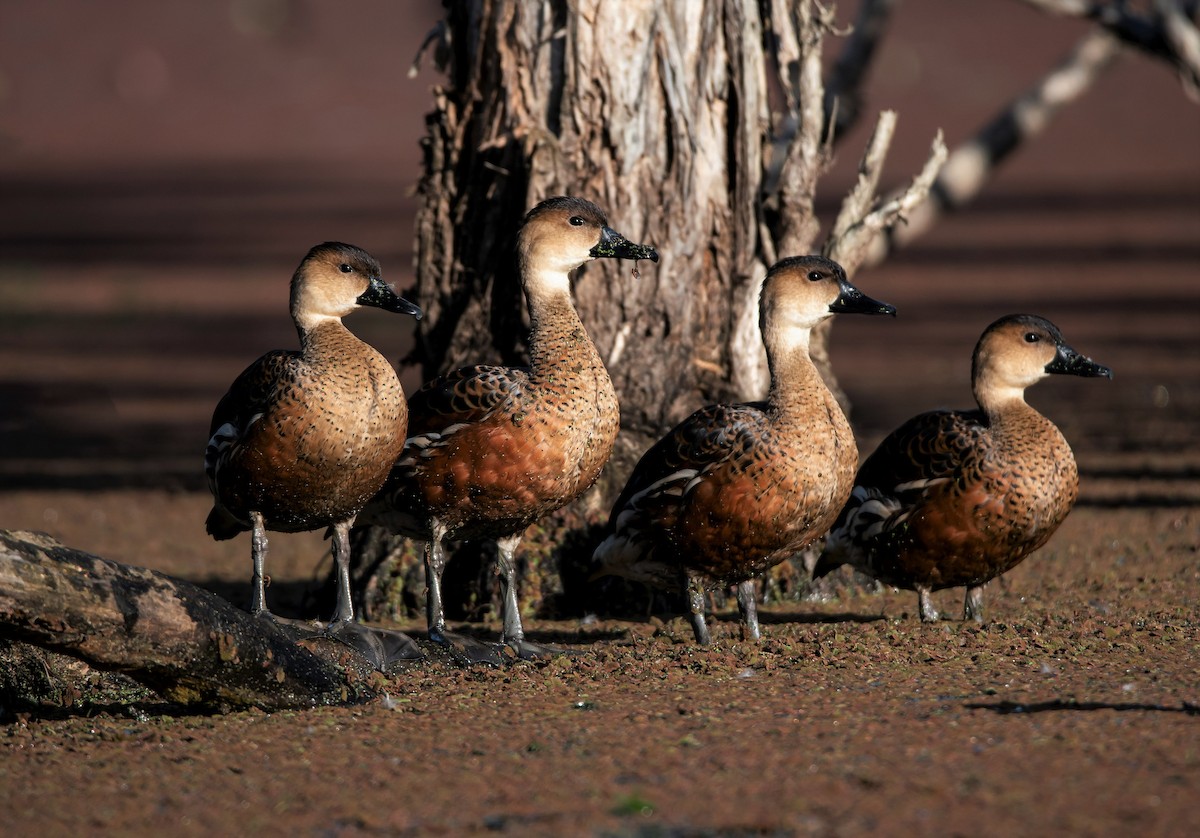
(165, 164)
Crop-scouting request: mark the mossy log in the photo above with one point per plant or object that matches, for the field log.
(185, 643)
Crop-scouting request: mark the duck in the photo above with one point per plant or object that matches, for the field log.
(303, 439)
(492, 449)
(735, 489)
(958, 497)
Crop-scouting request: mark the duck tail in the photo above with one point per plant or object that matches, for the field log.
(222, 526)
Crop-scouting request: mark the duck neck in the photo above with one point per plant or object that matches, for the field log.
(322, 336)
(796, 385)
(556, 332)
(1006, 409)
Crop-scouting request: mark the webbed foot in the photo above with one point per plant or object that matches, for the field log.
(469, 650)
(380, 646)
(527, 650)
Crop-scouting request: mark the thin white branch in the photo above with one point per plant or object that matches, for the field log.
(858, 201)
(854, 246)
(1183, 35)
(971, 165)
(1168, 31)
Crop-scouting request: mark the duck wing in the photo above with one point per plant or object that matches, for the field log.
(930, 451)
(463, 397)
(252, 394)
(927, 450)
(703, 441)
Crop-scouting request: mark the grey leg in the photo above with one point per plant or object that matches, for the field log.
(435, 563)
(341, 557)
(258, 550)
(748, 606)
(695, 597)
(929, 614)
(467, 648)
(973, 604)
(514, 632)
(380, 646)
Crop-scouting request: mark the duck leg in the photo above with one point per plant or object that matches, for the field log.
(435, 563)
(695, 597)
(929, 614)
(258, 551)
(514, 633)
(341, 557)
(467, 648)
(258, 583)
(973, 604)
(379, 646)
(748, 606)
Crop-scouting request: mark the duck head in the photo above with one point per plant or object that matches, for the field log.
(1020, 350)
(562, 233)
(334, 279)
(801, 291)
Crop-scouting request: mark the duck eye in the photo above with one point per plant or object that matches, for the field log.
(1032, 337)
(576, 221)
(344, 268)
(813, 276)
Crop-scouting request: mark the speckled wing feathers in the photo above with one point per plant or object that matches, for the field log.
(926, 452)
(703, 441)
(944, 502)
(666, 517)
(931, 446)
(248, 397)
(465, 395)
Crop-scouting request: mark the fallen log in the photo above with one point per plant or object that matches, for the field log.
(185, 643)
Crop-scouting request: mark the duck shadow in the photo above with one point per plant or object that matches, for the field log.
(303, 600)
(775, 618)
(488, 634)
(1008, 708)
(295, 600)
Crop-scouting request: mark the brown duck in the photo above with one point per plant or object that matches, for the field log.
(956, 498)
(303, 439)
(735, 489)
(492, 449)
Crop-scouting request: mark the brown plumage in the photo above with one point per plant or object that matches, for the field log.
(492, 449)
(956, 498)
(735, 489)
(303, 439)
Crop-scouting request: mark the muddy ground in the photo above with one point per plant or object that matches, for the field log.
(147, 240)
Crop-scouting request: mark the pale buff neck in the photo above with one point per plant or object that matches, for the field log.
(556, 332)
(326, 336)
(1004, 403)
(796, 386)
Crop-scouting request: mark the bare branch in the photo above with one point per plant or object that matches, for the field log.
(971, 165)
(1183, 35)
(808, 153)
(860, 198)
(852, 246)
(843, 90)
(1168, 33)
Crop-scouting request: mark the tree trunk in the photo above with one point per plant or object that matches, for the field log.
(699, 127)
